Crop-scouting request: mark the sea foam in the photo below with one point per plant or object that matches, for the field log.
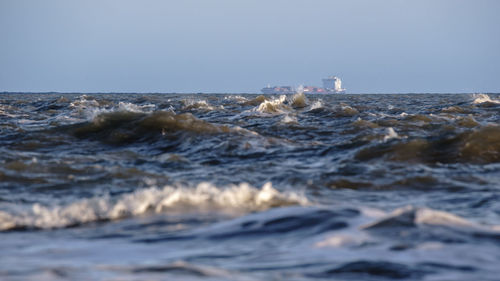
(205, 197)
(274, 106)
(484, 98)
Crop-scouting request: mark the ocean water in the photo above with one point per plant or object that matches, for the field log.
(249, 187)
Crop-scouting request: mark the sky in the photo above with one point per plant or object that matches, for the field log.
(385, 46)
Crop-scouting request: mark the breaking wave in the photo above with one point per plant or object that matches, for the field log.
(89, 108)
(205, 197)
(279, 105)
(317, 105)
(192, 105)
(390, 134)
(274, 106)
(299, 100)
(484, 99)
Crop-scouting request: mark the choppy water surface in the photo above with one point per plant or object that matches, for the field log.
(248, 187)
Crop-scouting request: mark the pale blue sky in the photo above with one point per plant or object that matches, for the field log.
(241, 46)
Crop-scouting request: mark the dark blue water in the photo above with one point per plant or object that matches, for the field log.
(248, 187)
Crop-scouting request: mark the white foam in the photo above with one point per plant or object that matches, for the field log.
(205, 197)
(482, 98)
(85, 107)
(238, 99)
(390, 134)
(274, 106)
(198, 104)
(89, 108)
(299, 100)
(317, 104)
(127, 106)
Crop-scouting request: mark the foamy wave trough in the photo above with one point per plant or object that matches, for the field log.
(236, 199)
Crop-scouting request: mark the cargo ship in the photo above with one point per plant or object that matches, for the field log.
(331, 85)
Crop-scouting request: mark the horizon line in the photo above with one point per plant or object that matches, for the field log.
(235, 93)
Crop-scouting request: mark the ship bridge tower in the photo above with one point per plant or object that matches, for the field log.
(334, 84)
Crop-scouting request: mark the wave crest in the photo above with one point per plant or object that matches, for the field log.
(274, 106)
(413, 216)
(474, 146)
(484, 99)
(205, 197)
(127, 126)
(299, 100)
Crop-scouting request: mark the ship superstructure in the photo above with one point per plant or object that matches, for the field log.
(331, 85)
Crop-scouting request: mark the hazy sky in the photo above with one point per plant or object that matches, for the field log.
(242, 45)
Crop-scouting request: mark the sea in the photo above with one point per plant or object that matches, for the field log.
(249, 187)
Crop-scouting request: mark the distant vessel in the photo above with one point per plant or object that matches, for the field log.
(331, 85)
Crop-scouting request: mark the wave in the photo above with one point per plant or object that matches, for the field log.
(473, 146)
(274, 106)
(297, 103)
(456, 109)
(256, 101)
(89, 108)
(299, 100)
(433, 225)
(193, 105)
(467, 122)
(390, 134)
(118, 127)
(484, 99)
(205, 197)
(363, 124)
(418, 118)
(346, 111)
(8, 111)
(317, 105)
(418, 226)
(412, 216)
(279, 105)
(235, 98)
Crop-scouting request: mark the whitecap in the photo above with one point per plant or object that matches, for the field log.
(484, 98)
(205, 197)
(317, 104)
(299, 100)
(274, 106)
(127, 106)
(238, 99)
(390, 134)
(194, 104)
